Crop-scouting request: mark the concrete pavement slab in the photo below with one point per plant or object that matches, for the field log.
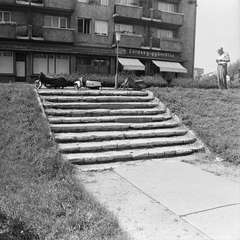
(181, 187)
(221, 223)
(141, 216)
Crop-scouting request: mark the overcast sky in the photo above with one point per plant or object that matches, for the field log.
(218, 24)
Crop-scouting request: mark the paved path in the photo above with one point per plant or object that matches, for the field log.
(166, 199)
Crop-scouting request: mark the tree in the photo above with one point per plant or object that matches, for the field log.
(234, 70)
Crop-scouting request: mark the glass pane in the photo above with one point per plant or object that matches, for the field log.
(47, 21)
(51, 60)
(80, 25)
(7, 17)
(63, 23)
(55, 22)
(62, 64)
(39, 63)
(1, 13)
(6, 62)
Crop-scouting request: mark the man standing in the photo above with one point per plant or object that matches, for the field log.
(222, 62)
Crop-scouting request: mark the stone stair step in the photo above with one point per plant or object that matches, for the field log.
(122, 119)
(103, 136)
(104, 112)
(132, 154)
(56, 128)
(84, 92)
(97, 99)
(86, 105)
(124, 144)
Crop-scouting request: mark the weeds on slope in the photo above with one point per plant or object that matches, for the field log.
(213, 114)
(39, 198)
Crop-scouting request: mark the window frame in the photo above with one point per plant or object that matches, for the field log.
(165, 33)
(168, 6)
(84, 26)
(104, 2)
(2, 13)
(125, 2)
(101, 33)
(8, 54)
(58, 22)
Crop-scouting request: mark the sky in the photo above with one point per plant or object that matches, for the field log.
(218, 25)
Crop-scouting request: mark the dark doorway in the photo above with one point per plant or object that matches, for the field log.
(20, 67)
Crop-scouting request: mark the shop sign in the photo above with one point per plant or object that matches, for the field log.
(147, 53)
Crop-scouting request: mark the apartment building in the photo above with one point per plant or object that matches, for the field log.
(69, 36)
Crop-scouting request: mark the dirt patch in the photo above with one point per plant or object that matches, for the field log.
(216, 165)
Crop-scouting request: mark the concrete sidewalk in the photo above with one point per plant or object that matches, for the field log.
(166, 199)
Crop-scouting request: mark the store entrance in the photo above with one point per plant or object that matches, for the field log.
(20, 67)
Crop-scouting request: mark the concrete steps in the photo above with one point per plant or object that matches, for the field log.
(96, 126)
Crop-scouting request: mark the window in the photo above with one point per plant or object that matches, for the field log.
(5, 16)
(55, 22)
(124, 28)
(6, 62)
(84, 1)
(84, 25)
(125, 2)
(50, 63)
(162, 33)
(167, 7)
(104, 2)
(101, 27)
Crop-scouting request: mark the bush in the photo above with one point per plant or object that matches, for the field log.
(157, 80)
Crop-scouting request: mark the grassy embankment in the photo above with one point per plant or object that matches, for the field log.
(39, 198)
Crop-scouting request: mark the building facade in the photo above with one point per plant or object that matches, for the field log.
(79, 36)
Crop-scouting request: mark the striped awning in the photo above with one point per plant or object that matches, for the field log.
(170, 66)
(131, 64)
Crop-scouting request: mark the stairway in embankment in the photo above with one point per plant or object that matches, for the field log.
(99, 126)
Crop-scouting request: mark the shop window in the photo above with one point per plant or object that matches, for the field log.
(50, 63)
(84, 25)
(101, 27)
(55, 22)
(62, 64)
(5, 16)
(162, 33)
(6, 62)
(124, 28)
(39, 63)
(167, 7)
(125, 2)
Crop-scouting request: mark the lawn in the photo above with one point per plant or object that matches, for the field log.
(39, 198)
(214, 115)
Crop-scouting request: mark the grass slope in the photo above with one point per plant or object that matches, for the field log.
(39, 198)
(213, 114)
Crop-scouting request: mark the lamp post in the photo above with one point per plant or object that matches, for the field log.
(118, 37)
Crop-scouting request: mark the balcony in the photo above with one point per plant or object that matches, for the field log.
(171, 45)
(164, 44)
(172, 18)
(130, 40)
(8, 30)
(128, 11)
(58, 35)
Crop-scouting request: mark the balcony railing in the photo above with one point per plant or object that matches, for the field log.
(58, 35)
(165, 44)
(8, 30)
(130, 40)
(173, 45)
(137, 12)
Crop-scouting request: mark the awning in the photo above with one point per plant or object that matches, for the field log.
(131, 64)
(170, 66)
